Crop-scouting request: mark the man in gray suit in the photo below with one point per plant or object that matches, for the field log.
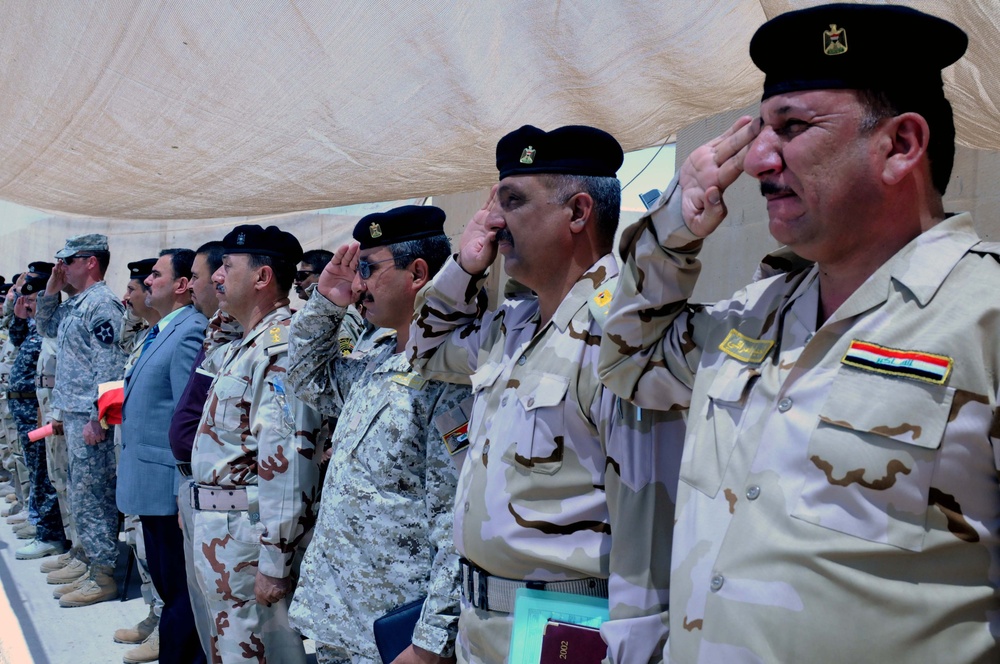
(147, 472)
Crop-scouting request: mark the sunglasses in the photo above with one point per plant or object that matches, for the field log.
(365, 267)
(69, 259)
(302, 275)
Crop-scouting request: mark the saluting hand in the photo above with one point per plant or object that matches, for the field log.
(338, 275)
(479, 241)
(57, 280)
(709, 171)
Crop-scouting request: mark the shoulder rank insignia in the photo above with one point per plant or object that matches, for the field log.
(528, 155)
(412, 380)
(903, 363)
(745, 349)
(835, 40)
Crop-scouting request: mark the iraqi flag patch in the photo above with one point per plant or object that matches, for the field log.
(927, 367)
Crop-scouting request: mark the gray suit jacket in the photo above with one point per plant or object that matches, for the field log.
(147, 471)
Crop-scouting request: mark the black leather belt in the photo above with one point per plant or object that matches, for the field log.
(22, 395)
(496, 593)
(184, 468)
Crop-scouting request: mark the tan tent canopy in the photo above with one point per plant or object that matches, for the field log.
(181, 109)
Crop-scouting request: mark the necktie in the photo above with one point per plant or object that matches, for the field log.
(149, 338)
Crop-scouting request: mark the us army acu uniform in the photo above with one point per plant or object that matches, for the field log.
(864, 448)
(384, 533)
(15, 463)
(556, 464)
(86, 329)
(256, 470)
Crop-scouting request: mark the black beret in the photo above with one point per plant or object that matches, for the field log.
(848, 46)
(41, 267)
(4, 288)
(34, 284)
(572, 150)
(409, 222)
(141, 269)
(270, 241)
(16, 276)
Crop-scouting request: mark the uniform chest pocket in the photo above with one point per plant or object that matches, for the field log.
(711, 442)
(231, 408)
(872, 456)
(540, 416)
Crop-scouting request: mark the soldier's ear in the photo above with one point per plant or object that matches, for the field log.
(420, 272)
(181, 286)
(265, 276)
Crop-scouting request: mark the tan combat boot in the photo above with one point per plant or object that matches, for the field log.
(73, 570)
(52, 564)
(99, 586)
(140, 632)
(149, 651)
(67, 588)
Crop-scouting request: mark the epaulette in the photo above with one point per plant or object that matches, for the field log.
(275, 339)
(600, 301)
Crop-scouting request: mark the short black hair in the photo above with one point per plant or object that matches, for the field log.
(607, 195)
(879, 105)
(181, 261)
(317, 258)
(103, 260)
(284, 270)
(213, 252)
(435, 250)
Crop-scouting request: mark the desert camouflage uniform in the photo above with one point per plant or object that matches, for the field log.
(384, 533)
(556, 463)
(56, 458)
(86, 329)
(256, 435)
(43, 503)
(829, 510)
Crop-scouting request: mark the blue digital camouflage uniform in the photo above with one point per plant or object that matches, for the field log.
(86, 330)
(43, 501)
(383, 537)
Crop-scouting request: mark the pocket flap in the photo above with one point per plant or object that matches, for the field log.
(909, 412)
(730, 383)
(548, 390)
(230, 387)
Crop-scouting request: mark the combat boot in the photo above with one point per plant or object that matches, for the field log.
(149, 651)
(67, 588)
(15, 519)
(25, 531)
(140, 632)
(39, 549)
(11, 498)
(55, 563)
(73, 570)
(6, 490)
(12, 508)
(99, 586)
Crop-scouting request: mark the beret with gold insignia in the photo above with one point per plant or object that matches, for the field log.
(570, 150)
(270, 241)
(408, 222)
(141, 269)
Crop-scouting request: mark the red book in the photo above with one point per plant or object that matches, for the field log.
(566, 643)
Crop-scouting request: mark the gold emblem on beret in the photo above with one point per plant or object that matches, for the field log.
(528, 155)
(835, 40)
(375, 230)
(241, 239)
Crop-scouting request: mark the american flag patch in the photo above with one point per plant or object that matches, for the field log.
(904, 363)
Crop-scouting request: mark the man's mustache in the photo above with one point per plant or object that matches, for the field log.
(503, 235)
(770, 189)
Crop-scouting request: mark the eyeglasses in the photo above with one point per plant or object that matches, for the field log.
(69, 259)
(365, 267)
(302, 275)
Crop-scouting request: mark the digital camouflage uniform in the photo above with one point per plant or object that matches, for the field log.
(15, 454)
(86, 330)
(56, 457)
(256, 435)
(838, 498)
(383, 537)
(556, 464)
(43, 503)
